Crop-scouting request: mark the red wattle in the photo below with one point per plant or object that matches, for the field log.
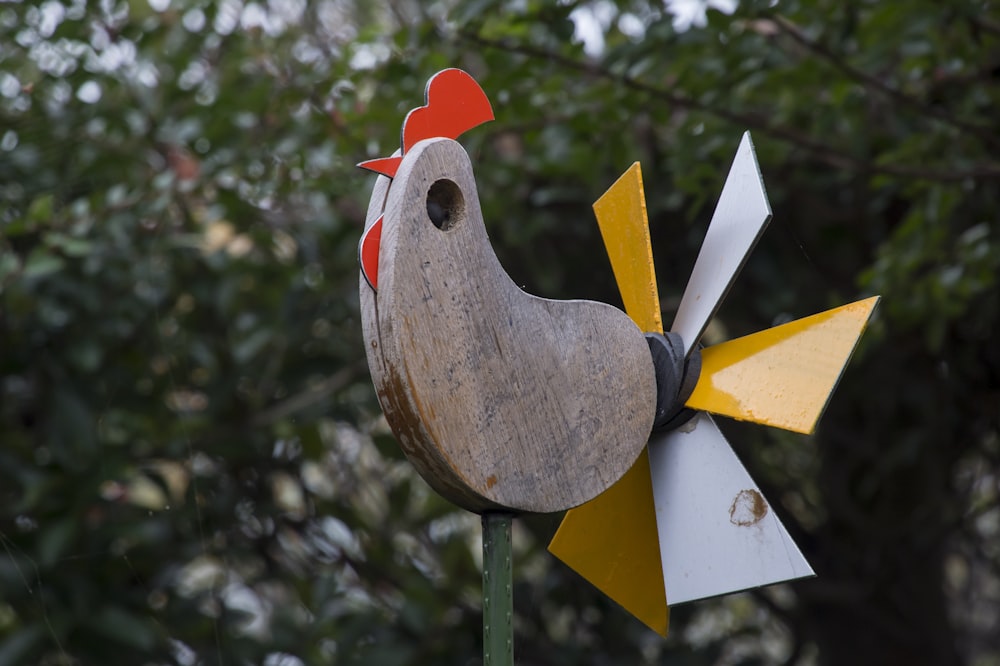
(368, 252)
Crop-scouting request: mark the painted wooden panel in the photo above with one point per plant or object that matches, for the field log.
(784, 376)
(739, 219)
(717, 532)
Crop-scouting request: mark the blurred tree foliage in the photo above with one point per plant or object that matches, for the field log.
(192, 465)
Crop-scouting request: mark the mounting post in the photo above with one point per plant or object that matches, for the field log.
(498, 591)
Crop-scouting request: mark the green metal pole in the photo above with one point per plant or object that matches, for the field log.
(498, 591)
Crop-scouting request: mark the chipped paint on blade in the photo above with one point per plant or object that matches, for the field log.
(740, 218)
(621, 215)
(611, 541)
(717, 533)
(784, 376)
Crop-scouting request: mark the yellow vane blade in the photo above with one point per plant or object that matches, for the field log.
(783, 376)
(621, 215)
(612, 542)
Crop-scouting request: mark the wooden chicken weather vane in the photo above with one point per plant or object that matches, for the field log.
(509, 403)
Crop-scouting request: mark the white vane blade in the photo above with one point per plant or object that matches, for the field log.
(717, 533)
(739, 219)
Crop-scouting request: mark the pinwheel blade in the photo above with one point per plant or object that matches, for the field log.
(740, 218)
(611, 540)
(784, 376)
(621, 215)
(717, 532)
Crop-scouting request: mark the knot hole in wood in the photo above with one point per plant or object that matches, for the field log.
(445, 204)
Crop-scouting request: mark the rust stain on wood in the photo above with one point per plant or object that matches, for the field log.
(748, 508)
(433, 463)
(491, 481)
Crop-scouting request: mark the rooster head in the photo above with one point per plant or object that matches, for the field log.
(454, 104)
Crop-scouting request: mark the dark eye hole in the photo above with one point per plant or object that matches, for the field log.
(445, 204)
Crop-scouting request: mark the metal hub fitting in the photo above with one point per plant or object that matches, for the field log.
(676, 377)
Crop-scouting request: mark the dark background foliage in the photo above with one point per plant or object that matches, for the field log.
(192, 465)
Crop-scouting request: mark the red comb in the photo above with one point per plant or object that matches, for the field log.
(455, 104)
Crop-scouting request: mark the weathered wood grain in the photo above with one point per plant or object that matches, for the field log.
(499, 398)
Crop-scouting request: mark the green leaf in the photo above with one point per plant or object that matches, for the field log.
(40, 210)
(42, 263)
(124, 627)
(15, 648)
(55, 540)
(10, 264)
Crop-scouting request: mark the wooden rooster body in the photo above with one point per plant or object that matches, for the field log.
(500, 399)
(505, 402)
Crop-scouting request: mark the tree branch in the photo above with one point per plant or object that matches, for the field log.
(793, 32)
(307, 398)
(822, 152)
